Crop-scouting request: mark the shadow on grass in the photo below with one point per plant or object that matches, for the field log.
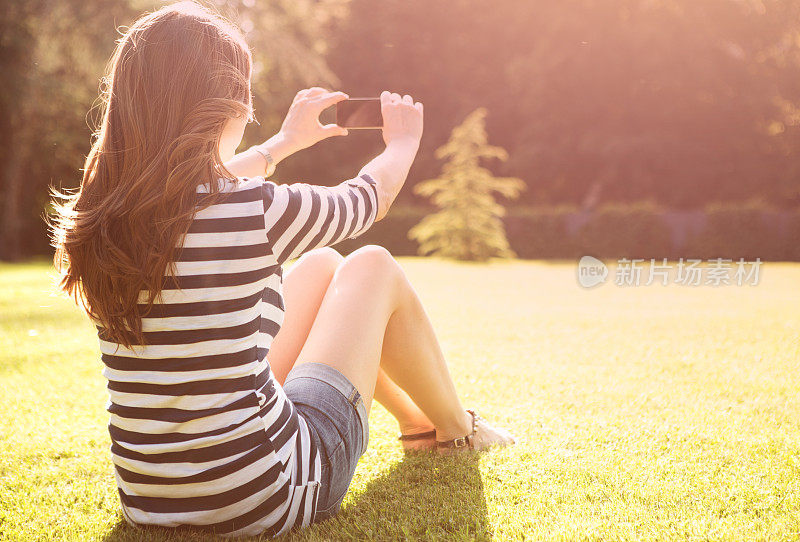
(422, 496)
(122, 532)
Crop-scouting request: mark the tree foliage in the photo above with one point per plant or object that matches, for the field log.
(682, 102)
(467, 225)
(53, 54)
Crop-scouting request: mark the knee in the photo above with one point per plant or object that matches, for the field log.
(374, 258)
(323, 259)
(370, 265)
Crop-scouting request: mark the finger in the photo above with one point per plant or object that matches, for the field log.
(334, 130)
(327, 100)
(308, 93)
(301, 94)
(314, 92)
(407, 99)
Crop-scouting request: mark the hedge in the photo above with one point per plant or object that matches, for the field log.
(642, 230)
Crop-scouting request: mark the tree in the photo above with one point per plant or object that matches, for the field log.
(52, 57)
(680, 102)
(49, 58)
(468, 225)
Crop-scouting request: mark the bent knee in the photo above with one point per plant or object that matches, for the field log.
(323, 259)
(373, 257)
(369, 264)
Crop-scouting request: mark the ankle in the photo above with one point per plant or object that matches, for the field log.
(458, 428)
(410, 427)
(413, 420)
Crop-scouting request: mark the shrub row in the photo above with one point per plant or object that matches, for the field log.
(640, 230)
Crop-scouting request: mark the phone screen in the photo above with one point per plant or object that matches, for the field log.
(359, 113)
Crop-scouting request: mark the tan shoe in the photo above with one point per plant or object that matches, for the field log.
(482, 437)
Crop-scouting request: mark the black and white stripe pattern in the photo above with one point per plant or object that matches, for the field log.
(202, 434)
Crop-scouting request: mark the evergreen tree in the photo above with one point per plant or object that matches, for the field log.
(467, 225)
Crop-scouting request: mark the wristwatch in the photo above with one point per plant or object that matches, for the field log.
(268, 157)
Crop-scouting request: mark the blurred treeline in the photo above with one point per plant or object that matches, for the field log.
(730, 230)
(668, 105)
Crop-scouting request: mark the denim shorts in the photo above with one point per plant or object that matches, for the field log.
(337, 420)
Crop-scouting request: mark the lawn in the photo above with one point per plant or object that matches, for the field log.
(660, 412)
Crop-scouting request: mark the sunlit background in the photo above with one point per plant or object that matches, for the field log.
(640, 127)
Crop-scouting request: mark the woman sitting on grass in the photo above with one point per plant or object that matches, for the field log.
(228, 413)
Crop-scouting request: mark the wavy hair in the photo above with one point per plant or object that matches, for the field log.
(176, 76)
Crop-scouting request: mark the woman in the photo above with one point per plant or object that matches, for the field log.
(226, 414)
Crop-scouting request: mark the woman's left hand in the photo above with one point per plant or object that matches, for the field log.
(301, 128)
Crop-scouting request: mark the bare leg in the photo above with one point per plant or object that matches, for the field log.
(371, 318)
(304, 287)
(409, 416)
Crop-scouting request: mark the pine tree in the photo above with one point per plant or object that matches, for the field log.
(468, 225)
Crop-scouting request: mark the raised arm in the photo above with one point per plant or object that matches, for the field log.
(300, 129)
(301, 216)
(402, 130)
(252, 162)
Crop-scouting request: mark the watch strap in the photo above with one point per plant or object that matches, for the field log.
(268, 157)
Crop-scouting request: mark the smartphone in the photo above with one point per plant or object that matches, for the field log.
(359, 113)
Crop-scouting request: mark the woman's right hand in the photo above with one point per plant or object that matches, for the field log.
(301, 127)
(402, 119)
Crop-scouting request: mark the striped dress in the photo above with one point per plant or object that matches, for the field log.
(202, 434)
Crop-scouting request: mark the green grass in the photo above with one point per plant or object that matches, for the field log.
(642, 413)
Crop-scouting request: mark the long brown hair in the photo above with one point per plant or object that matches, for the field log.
(175, 78)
